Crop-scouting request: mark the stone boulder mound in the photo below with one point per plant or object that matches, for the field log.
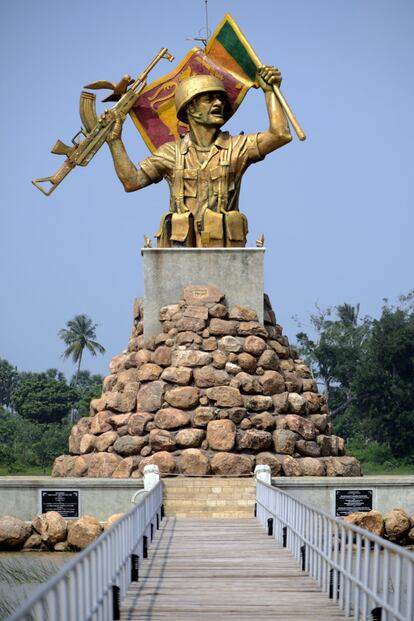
(215, 392)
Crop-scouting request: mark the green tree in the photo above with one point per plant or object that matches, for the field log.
(24, 443)
(80, 333)
(334, 353)
(89, 387)
(384, 380)
(367, 369)
(9, 378)
(43, 397)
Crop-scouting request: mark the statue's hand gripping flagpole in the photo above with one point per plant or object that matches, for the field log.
(229, 47)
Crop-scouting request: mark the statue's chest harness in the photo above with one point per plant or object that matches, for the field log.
(202, 179)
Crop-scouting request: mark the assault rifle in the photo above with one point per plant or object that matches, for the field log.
(94, 132)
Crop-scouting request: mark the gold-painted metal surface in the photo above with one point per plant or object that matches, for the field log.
(84, 150)
(190, 88)
(260, 241)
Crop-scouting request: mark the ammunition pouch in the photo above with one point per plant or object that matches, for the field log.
(236, 228)
(176, 229)
(212, 234)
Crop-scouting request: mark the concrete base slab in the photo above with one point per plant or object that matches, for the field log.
(20, 496)
(237, 272)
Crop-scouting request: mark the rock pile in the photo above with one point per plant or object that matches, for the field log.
(216, 392)
(396, 525)
(50, 531)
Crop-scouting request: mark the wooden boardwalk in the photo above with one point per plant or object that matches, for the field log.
(214, 570)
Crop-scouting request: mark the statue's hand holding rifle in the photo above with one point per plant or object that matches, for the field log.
(96, 130)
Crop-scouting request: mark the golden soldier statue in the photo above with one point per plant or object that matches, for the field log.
(204, 169)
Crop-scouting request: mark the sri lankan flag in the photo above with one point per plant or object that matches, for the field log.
(229, 48)
(227, 56)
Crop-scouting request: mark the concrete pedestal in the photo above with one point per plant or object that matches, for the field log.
(237, 272)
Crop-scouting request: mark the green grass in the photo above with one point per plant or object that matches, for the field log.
(25, 471)
(370, 468)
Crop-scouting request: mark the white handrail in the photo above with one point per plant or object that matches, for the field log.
(88, 587)
(369, 577)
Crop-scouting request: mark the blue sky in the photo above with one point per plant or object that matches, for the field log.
(336, 210)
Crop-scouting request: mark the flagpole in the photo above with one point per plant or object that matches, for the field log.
(286, 108)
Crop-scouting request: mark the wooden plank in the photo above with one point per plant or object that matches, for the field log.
(215, 570)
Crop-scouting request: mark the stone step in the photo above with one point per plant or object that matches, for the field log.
(209, 498)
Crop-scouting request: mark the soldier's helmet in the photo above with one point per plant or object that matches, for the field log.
(198, 85)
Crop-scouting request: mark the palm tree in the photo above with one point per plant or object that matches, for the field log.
(80, 332)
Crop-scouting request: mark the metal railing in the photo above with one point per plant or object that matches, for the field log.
(90, 587)
(369, 577)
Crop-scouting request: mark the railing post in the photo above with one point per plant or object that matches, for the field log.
(116, 607)
(151, 476)
(134, 567)
(303, 556)
(270, 527)
(263, 473)
(284, 536)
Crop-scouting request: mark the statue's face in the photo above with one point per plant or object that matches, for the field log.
(208, 109)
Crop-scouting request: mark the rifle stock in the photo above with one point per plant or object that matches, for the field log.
(94, 133)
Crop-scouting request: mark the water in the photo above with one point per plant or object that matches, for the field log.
(22, 572)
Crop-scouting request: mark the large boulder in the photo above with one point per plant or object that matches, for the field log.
(342, 467)
(130, 445)
(190, 438)
(137, 423)
(126, 467)
(221, 435)
(194, 462)
(370, 520)
(84, 531)
(291, 467)
(207, 377)
(161, 440)
(51, 527)
(311, 467)
(164, 460)
(257, 403)
(271, 460)
(13, 532)
(225, 396)
(177, 375)
(104, 441)
(190, 358)
(396, 524)
(171, 418)
(303, 426)
(231, 464)
(184, 397)
(102, 465)
(263, 421)
(149, 398)
(254, 439)
(254, 345)
(202, 416)
(272, 382)
(284, 441)
(63, 466)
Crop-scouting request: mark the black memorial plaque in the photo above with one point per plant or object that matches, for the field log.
(350, 500)
(64, 501)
